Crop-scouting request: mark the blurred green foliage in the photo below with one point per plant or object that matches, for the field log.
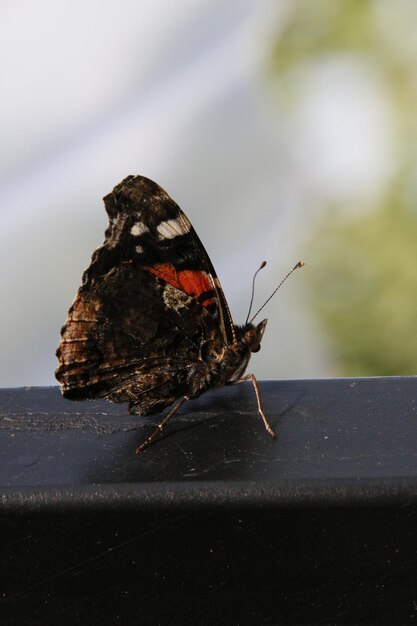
(363, 263)
(320, 26)
(364, 287)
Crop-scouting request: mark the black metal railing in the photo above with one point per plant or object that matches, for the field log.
(215, 522)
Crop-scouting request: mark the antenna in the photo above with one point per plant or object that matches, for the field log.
(299, 264)
(262, 265)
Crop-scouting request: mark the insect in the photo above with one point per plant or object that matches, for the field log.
(150, 324)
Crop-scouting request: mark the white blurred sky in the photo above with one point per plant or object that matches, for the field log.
(93, 91)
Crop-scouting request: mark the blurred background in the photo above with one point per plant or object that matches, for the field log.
(285, 130)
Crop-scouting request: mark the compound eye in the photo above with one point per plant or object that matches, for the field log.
(257, 348)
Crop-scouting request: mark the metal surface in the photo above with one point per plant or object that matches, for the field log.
(338, 436)
(216, 522)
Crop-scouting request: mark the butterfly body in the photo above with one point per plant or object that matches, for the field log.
(150, 324)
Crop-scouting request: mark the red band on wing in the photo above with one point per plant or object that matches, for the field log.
(192, 282)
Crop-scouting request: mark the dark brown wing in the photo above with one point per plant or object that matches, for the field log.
(130, 337)
(149, 305)
(148, 228)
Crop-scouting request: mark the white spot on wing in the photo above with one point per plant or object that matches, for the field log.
(139, 229)
(174, 299)
(117, 225)
(139, 249)
(173, 228)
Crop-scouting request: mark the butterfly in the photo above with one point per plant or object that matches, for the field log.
(150, 324)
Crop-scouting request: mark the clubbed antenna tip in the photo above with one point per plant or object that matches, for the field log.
(299, 264)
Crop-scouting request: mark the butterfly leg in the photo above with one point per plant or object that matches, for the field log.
(251, 377)
(158, 429)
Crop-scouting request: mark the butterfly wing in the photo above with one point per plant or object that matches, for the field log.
(147, 227)
(149, 304)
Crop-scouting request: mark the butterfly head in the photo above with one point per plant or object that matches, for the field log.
(252, 335)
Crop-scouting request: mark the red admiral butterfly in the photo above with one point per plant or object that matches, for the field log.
(150, 324)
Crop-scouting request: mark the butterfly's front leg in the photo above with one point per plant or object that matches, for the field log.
(251, 377)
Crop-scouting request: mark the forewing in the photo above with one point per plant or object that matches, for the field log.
(148, 228)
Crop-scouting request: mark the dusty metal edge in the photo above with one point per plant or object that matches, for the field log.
(211, 494)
